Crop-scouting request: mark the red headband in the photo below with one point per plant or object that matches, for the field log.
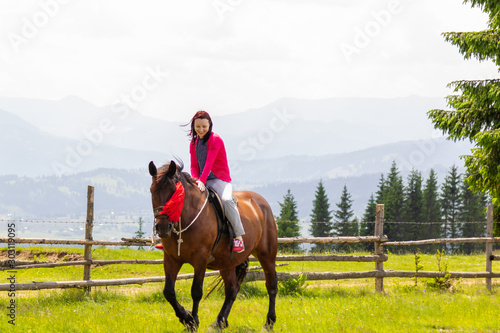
(173, 206)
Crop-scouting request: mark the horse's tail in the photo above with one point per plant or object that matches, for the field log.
(241, 271)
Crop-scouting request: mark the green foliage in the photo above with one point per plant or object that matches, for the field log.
(450, 205)
(490, 7)
(288, 222)
(444, 282)
(392, 195)
(321, 225)
(418, 266)
(413, 205)
(472, 209)
(139, 233)
(367, 225)
(292, 286)
(475, 113)
(482, 45)
(345, 225)
(432, 211)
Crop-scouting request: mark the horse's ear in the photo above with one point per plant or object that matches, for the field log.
(152, 169)
(172, 169)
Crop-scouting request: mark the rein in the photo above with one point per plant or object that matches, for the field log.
(170, 210)
(180, 241)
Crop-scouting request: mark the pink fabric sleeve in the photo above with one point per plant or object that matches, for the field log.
(214, 144)
(195, 168)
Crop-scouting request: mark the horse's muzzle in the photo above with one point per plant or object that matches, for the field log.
(164, 229)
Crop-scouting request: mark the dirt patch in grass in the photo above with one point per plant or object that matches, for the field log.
(52, 256)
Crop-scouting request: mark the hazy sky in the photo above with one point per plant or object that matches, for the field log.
(169, 58)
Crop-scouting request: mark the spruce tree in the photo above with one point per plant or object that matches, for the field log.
(344, 225)
(380, 195)
(288, 222)
(393, 199)
(431, 211)
(367, 225)
(450, 204)
(139, 233)
(321, 225)
(475, 113)
(472, 213)
(413, 205)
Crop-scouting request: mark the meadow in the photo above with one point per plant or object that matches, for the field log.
(302, 306)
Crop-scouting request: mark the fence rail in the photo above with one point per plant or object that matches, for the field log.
(379, 240)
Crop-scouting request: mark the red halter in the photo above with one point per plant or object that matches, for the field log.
(173, 206)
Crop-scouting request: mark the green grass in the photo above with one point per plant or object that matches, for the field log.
(323, 306)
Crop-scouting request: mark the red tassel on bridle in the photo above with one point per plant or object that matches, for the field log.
(173, 207)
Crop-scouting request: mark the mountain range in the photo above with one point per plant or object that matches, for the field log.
(288, 144)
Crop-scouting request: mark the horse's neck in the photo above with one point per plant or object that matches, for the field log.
(193, 204)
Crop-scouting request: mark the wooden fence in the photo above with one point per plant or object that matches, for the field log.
(378, 258)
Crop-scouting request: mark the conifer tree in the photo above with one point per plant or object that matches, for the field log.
(475, 113)
(473, 215)
(393, 199)
(139, 233)
(450, 204)
(431, 211)
(413, 205)
(344, 225)
(321, 217)
(379, 199)
(288, 222)
(367, 225)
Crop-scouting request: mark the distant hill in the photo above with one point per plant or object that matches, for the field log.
(127, 191)
(29, 151)
(51, 151)
(119, 137)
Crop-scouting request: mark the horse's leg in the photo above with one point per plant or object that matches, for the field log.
(231, 288)
(269, 268)
(197, 290)
(171, 268)
(267, 258)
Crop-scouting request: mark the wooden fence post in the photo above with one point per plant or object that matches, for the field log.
(88, 234)
(379, 249)
(489, 246)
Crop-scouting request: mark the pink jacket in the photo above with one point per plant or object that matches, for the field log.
(216, 160)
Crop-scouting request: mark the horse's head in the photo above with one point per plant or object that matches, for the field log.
(167, 194)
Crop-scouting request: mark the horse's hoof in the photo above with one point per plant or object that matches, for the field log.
(190, 323)
(267, 328)
(191, 328)
(218, 326)
(214, 328)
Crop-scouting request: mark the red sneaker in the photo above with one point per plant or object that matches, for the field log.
(159, 246)
(238, 245)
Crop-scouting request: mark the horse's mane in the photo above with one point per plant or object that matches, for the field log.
(163, 179)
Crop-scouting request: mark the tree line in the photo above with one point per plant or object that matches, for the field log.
(415, 209)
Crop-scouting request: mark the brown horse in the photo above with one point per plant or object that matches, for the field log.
(195, 236)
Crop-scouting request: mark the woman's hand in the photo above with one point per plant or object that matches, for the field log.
(201, 186)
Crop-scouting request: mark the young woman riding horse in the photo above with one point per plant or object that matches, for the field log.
(181, 207)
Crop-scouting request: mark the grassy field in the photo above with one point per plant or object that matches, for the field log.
(326, 306)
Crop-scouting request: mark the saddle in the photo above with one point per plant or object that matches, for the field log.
(224, 226)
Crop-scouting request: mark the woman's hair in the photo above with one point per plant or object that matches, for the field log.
(192, 133)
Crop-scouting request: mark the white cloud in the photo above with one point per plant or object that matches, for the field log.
(258, 52)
